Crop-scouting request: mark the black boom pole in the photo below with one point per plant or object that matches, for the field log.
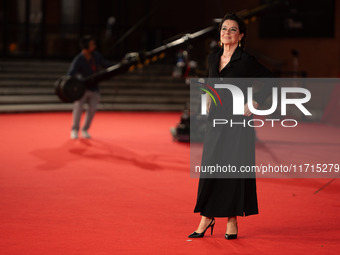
(134, 59)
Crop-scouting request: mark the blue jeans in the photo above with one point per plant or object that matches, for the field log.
(92, 98)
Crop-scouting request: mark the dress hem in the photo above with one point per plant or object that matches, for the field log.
(225, 216)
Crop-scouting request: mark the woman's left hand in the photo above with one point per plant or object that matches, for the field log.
(247, 112)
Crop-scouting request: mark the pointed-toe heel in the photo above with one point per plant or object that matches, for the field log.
(232, 236)
(200, 235)
(229, 237)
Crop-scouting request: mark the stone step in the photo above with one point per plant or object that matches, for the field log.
(106, 90)
(33, 63)
(104, 98)
(112, 84)
(52, 76)
(101, 107)
(62, 68)
(49, 64)
(48, 76)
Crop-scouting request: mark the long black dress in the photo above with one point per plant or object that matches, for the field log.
(228, 197)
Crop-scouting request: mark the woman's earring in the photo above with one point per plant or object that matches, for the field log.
(220, 43)
(239, 43)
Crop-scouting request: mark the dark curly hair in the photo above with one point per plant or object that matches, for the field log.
(240, 22)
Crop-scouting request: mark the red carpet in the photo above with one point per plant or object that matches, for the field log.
(129, 191)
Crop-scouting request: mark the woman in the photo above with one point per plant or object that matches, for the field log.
(230, 197)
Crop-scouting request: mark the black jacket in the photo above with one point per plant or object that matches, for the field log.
(241, 65)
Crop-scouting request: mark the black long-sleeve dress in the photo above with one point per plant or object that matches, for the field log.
(228, 197)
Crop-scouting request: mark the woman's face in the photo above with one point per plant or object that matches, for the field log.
(230, 33)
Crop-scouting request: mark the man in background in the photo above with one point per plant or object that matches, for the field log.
(86, 63)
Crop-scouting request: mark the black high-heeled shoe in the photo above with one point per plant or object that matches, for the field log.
(199, 235)
(231, 236)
